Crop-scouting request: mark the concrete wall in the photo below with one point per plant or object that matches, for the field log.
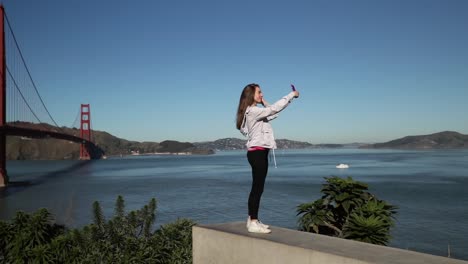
(231, 243)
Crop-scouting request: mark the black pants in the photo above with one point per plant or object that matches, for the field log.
(258, 160)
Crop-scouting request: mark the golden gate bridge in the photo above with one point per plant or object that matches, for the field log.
(22, 110)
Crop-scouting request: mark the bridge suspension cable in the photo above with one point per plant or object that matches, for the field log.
(30, 79)
(22, 96)
(76, 123)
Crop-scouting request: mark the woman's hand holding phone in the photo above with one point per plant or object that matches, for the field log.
(296, 93)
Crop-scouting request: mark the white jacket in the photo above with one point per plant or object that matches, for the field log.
(256, 124)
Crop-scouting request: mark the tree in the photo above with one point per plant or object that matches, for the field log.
(347, 210)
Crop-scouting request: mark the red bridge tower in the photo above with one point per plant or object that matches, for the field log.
(85, 131)
(3, 172)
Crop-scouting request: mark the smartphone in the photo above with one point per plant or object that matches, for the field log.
(293, 88)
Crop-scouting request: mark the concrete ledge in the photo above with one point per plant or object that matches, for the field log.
(231, 243)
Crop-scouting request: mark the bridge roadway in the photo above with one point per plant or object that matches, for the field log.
(94, 151)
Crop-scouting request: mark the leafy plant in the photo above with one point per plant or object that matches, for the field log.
(348, 210)
(27, 236)
(125, 238)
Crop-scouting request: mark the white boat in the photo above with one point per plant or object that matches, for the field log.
(342, 166)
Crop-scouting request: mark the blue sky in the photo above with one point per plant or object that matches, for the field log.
(368, 71)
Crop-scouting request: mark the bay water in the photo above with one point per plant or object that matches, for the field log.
(429, 187)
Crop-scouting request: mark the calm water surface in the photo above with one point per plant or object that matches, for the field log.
(429, 187)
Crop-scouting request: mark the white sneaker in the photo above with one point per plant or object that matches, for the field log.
(255, 227)
(260, 222)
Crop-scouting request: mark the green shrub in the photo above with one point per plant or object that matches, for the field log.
(125, 238)
(347, 210)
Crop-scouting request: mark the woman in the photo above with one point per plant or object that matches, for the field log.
(253, 122)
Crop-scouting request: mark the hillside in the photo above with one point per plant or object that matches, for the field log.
(21, 148)
(239, 144)
(441, 140)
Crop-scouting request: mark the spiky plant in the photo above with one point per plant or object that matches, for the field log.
(370, 223)
(317, 218)
(125, 238)
(348, 210)
(27, 236)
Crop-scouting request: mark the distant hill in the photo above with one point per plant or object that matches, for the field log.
(21, 148)
(223, 144)
(441, 140)
(239, 144)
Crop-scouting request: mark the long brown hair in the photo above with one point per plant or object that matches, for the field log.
(246, 99)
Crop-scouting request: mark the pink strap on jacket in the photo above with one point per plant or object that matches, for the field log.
(254, 148)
